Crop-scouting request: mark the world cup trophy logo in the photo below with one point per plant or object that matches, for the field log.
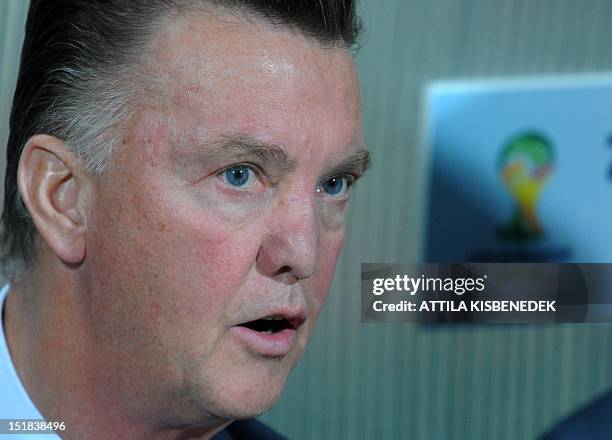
(525, 165)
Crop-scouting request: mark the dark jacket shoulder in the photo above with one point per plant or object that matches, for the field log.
(593, 422)
(246, 430)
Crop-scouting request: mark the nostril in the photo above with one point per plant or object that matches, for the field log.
(283, 270)
(285, 275)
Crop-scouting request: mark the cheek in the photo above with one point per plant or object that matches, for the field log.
(209, 255)
(172, 257)
(326, 266)
(332, 216)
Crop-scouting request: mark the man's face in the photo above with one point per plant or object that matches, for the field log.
(224, 206)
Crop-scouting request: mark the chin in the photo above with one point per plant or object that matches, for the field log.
(247, 393)
(233, 382)
(245, 405)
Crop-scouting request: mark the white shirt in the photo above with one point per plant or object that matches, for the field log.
(14, 401)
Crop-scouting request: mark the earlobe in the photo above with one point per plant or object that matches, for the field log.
(54, 188)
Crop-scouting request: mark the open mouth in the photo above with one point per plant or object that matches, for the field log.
(273, 324)
(271, 336)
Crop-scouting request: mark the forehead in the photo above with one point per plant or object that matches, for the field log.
(221, 73)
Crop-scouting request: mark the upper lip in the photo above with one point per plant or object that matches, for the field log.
(295, 316)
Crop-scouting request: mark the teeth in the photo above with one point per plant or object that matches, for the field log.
(273, 318)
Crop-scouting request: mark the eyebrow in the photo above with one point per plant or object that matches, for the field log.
(247, 148)
(266, 155)
(356, 164)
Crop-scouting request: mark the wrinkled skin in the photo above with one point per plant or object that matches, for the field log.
(177, 256)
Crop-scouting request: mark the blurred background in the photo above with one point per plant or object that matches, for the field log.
(392, 381)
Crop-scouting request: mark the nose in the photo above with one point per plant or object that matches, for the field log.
(290, 249)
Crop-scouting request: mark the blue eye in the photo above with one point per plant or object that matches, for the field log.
(335, 186)
(238, 175)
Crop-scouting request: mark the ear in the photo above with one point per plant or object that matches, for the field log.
(55, 189)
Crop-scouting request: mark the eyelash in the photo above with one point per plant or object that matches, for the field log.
(348, 179)
(223, 174)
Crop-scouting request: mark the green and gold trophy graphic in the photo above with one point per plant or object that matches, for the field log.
(525, 165)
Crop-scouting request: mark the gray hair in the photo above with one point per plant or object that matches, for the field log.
(79, 77)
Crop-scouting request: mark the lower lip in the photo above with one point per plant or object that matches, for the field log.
(267, 344)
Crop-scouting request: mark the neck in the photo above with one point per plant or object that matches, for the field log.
(60, 365)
